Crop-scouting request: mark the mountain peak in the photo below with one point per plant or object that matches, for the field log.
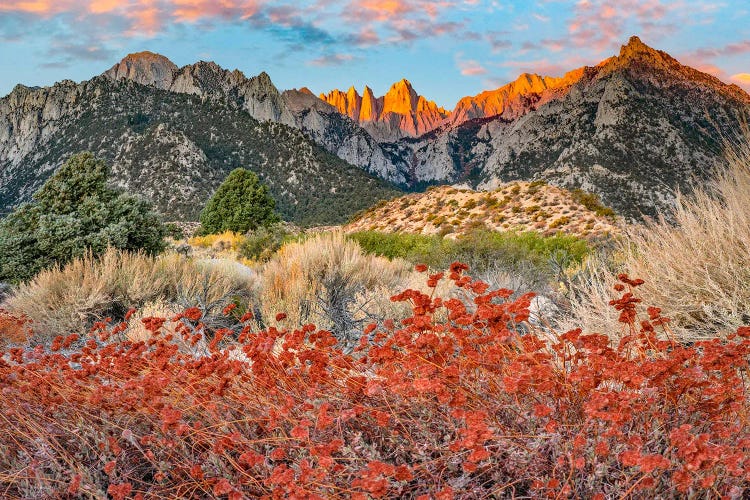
(636, 47)
(400, 111)
(148, 56)
(146, 68)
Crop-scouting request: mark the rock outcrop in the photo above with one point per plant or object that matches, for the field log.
(401, 112)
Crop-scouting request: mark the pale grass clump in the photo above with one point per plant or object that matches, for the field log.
(68, 299)
(697, 270)
(329, 281)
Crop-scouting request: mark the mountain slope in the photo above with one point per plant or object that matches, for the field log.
(261, 99)
(174, 148)
(632, 130)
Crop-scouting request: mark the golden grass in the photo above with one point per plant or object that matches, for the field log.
(301, 273)
(68, 299)
(697, 270)
(227, 240)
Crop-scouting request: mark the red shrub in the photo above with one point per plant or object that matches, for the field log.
(479, 405)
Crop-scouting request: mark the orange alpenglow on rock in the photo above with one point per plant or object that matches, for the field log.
(401, 108)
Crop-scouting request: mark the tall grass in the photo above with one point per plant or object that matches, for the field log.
(697, 269)
(69, 299)
(327, 280)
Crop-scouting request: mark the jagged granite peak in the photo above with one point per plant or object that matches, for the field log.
(513, 99)
(257, 95)
(401, 112)
(146, 68)
(635, 46)
(632, 129)
(371, 107)
(300, 109)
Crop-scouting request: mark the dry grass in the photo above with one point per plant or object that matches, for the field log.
(327, 280)
(227, 240)
(697, 270)
(67, 300)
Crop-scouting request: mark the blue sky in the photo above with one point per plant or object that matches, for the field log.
(447, 49)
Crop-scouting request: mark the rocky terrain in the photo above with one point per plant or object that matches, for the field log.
(174, 148)
(631, 129)
(401, 112)
(516, 206)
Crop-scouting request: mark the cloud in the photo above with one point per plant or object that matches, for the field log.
(298, 24)
(603, 25)
(331, 60)
(730, 49)
(471, 68)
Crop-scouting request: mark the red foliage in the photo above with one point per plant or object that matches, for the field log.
(476, 405)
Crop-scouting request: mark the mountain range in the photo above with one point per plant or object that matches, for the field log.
(632, 129)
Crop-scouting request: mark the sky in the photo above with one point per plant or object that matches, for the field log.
(447, 49)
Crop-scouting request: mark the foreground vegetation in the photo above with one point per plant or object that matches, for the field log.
(75, 212)
(131, 375)
(697, 265)
(461, 399)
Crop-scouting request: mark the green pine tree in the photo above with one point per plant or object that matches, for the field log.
(241, 204)
(74, 212)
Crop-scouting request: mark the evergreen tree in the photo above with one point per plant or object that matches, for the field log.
(74, 212)
(241, 204)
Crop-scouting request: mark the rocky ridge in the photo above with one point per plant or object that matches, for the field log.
(401, 112)
(174, 148)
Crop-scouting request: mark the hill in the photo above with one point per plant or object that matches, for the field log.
(516, 206)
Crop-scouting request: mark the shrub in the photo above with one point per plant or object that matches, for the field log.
(560, 221)
(69, 299)
(481, 248)
(264, 242)
(326, 280)
(227, 240)
(470, 204)
(75, 212)
(464, 399)
(592, 202)
(240, 204)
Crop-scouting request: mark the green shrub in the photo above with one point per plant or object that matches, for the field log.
(240, 204)
(472, 203)
(264, 242)
(480, 249)
(592, 202)
(75, 212)
(560, 221)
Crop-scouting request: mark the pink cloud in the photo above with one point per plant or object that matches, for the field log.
(146, 17)
(471, 68)
(730, 49)
(603, 25)
(331, 60)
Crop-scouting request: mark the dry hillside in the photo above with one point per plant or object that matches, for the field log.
(521, 206)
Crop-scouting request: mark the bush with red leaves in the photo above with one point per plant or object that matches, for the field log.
(458, 401)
